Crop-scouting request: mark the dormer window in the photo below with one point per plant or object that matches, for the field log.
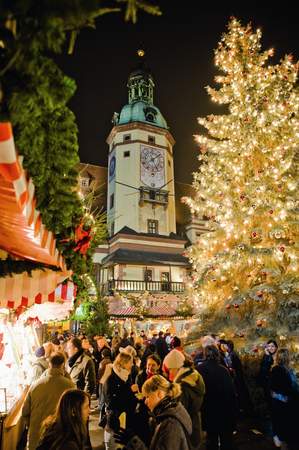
(84, 182)
(150, 114)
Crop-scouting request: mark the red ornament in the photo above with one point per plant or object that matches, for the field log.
(271, 211)
(254, 234)
(242, 197)
(228, 306)
(259, 323)
(282, 248)
(82, 239)
(259, 293)
(236, 306)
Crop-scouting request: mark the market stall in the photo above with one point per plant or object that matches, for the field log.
(152, 320)
(20, 336)
(32, 272)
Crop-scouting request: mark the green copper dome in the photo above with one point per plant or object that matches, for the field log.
(141, 111)
(141, 106)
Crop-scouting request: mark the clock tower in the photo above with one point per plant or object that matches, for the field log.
(140, 163)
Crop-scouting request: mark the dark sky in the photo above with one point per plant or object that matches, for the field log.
(179, 50)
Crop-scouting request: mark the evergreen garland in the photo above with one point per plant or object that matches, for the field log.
(36, 93)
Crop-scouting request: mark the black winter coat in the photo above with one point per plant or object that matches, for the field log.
(193, 390)
(172, 430)
(161, 347)
(265, 368)
(219, 409)
(284, 414)
(118, 398)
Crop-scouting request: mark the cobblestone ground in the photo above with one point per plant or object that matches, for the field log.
(247, 437)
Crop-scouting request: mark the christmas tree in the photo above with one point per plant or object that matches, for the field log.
(245, 270)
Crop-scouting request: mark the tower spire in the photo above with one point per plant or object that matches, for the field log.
(140, 83)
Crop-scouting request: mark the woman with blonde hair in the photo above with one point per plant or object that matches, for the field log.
(67, 429)
(118, 396)
(173, 425)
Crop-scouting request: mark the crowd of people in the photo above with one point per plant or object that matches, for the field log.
(152, 394)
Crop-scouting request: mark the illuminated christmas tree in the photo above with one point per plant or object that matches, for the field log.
(245, 271)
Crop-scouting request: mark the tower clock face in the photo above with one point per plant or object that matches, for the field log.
(152, 166)
(112, 165)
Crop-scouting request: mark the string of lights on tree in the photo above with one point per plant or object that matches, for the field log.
(247, 187)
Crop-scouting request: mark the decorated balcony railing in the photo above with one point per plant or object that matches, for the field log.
(141, 286)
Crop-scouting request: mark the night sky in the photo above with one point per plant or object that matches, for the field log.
(179, 49)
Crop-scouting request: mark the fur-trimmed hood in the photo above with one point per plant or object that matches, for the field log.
(190, 376)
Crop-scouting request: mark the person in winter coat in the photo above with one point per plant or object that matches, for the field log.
(41, 362)
(193, 390)
(118, 396)
(173, 425)
(67, 429)
(101, 344)
(153, 367)
(136, 361)
(150, 349)
(284, 392)
(161, 346)
(43, 397)
(80, 366)
(265, 368)
(172, 362)
(106, 360)
(244, 401)
(219, 407)
(142, 414)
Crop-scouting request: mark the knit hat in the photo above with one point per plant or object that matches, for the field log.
(129, 350)
(39, 352)
(174, 360)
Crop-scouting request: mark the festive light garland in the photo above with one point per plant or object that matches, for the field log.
(247, 183)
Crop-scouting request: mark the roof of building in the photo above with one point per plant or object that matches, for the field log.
(141, 71)
(95, 172)
(132, 311)
(130, 231)
(141, 111)
(141, 257)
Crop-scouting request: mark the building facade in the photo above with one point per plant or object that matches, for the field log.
(142, 268)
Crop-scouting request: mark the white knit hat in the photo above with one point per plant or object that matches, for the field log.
(174, 360)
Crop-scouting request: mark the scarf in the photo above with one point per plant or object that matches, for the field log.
(165, 403)
(74, 358)
(123, 374)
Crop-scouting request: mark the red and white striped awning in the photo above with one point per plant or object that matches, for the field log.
(129, 311)
(161, 311)
(41, 286)
(132, 311)
(22, 232)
